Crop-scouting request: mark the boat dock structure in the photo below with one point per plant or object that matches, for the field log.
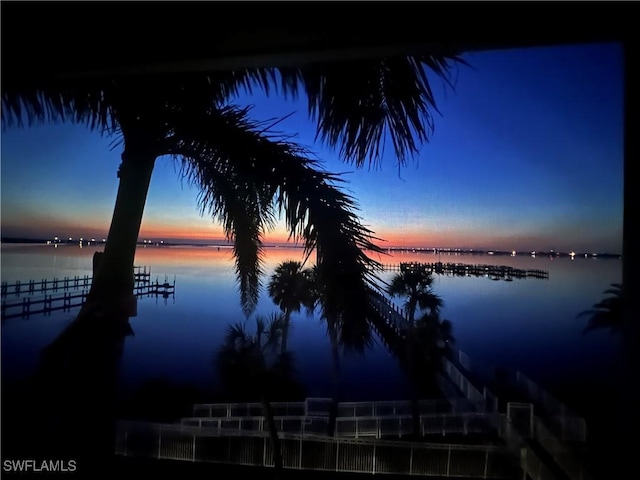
(494, 272)
(23, 299)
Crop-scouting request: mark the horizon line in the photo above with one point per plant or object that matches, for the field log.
(225, 243)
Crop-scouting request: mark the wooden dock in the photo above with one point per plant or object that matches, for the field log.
(32, 304)
(141, 275)
(494, 272)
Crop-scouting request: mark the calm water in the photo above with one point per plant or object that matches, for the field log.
(528, 325)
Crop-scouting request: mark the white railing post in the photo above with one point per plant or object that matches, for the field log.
(159, 440)
(264, 452)
(411, 460)
(374, 459)
(486, 463)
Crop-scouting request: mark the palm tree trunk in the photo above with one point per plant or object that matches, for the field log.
(113, 281)
(335, 372)
(86, 351)
(273, 435)
(415, 409)
(413, 380)
(285, 331)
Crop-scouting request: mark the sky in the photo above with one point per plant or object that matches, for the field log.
(527, 154)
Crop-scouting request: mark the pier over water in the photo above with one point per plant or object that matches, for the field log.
(494, 272)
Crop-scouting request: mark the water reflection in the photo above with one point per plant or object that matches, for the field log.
(66, 407)
(529, 325)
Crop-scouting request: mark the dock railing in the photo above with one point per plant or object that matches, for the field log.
(355, 427)
(336, 454)
(568, 425)
(314, 407)
(29, 302)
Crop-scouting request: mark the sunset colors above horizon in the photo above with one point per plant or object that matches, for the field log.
(527, 154)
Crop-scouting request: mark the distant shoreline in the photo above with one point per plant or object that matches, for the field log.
(426, 250)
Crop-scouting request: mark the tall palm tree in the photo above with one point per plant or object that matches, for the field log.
(245, 173)
(290, 287)
(254, 359)
(607, 313)
(415, 285)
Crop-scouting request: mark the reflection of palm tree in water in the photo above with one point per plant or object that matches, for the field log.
(607, 313)
(76, 390)
(252, 366)
(291, 288)
(433, 341)
(415, 286)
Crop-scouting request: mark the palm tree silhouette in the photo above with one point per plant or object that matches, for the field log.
(291, 287)
(607, 313)
(247, 174)
(349, 334)
(433, 341)
(253, 364)
(415, 285)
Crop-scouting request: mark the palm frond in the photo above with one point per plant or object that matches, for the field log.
(357, 104)
(236, 334)
(607, 313)
(83, 104)
(213, 156)
(244, 220)
(105, 103)
(231, 157)
(602, 319)
(427, 300)
(274, 331)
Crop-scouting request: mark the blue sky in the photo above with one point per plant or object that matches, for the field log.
(527, 154)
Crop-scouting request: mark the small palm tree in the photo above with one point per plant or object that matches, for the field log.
(291, 288)
(607, 313)
(253, 362)
(415, 285)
